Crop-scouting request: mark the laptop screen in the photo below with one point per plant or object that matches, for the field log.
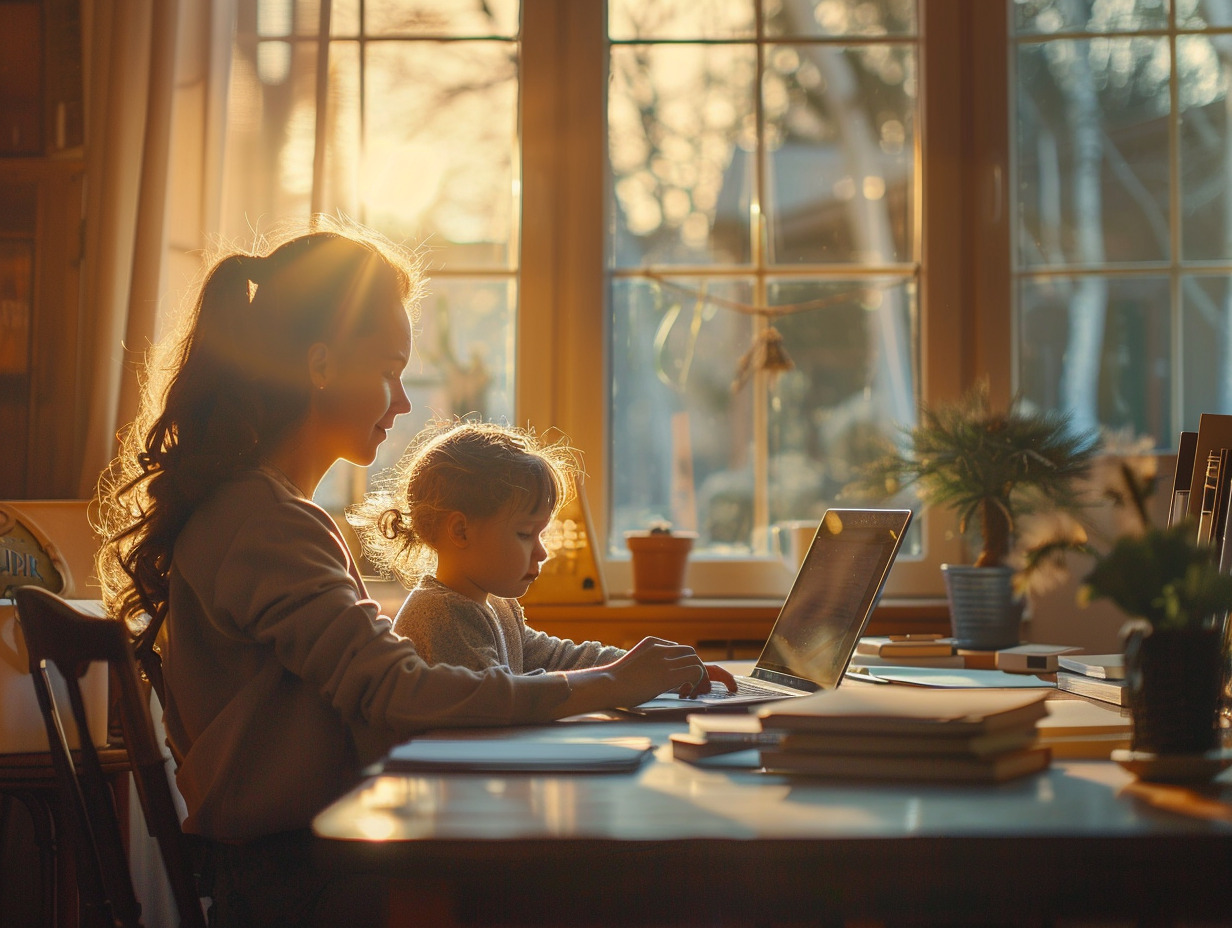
(833, 597)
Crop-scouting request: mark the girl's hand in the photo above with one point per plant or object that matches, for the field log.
(655, 666)
(714, 674)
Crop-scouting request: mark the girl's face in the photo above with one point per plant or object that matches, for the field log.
(497, 556)
(359, 388)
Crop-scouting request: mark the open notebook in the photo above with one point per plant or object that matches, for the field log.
(825, 613)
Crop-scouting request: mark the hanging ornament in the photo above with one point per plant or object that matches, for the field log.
(765, 354)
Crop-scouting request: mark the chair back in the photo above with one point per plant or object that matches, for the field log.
(58, 634)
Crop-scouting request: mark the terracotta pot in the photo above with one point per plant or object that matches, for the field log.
(659, 563)
(1174, 679)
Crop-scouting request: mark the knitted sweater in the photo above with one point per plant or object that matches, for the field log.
(283, 679)
(449, 628)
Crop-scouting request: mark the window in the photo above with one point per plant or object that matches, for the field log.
(725, 244)
(406, 119)
(1124, 229)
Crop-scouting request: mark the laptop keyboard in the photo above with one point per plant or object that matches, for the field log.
(743, 688)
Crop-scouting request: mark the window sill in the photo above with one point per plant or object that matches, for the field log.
(732, 625)
(709, 622)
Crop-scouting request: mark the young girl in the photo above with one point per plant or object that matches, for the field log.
(460, 525)
(281, 679)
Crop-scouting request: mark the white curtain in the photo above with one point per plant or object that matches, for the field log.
(156, 81)
(156, 90)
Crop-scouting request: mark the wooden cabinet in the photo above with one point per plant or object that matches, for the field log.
(42, 182)
(41, 406)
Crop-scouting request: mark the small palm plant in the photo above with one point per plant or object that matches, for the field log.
(989, 466)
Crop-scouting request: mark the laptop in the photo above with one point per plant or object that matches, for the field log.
(823, 617)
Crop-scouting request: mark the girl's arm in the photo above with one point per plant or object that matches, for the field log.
(651, 668)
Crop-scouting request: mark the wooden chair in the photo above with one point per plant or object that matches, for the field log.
(56, 633)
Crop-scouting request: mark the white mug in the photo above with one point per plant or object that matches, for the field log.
(790, 540)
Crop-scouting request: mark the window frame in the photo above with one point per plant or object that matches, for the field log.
(962, 221)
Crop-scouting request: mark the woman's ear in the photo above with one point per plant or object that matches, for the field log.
(318, 365)
(455, 529)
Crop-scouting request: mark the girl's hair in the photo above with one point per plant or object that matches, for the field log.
(477, 468)
(227, 386)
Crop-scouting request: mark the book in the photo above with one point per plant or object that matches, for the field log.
(1100, 666)
(1186, 447)
(1214, 433)
(994, 769)
(1113, 691)
(743, 729)
(907, 710)
(905, 646)
(1210, 491)
(694, 748)
(946, 678)
(937, 660)
(1078, 728)
(983, 745)
(1031, 658)
(519, 755)
(1220, 516)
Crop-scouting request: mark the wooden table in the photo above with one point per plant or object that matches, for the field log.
(30, 780)
(680, 845)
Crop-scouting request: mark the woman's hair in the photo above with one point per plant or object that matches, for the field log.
(228, 385)
(479, 469)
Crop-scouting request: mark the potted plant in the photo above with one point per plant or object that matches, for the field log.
(660, 557)
(1175, 599)
(990, 467)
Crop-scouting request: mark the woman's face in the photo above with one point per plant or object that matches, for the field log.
(360, 392)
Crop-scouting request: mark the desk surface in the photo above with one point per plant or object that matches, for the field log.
(1082, 838)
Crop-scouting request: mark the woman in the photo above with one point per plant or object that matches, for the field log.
(281, 678)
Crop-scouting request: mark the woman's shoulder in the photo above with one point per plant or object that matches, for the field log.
(255, 498)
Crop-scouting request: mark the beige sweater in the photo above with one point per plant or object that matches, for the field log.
(283, 680)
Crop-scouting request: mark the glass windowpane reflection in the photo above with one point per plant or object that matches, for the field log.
(851, 387)
(863, 18)
(841, 167)
(1100, 348)
(441, 128)
(1092, 147)
(681, 136)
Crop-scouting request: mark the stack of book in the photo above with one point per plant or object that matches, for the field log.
(1097, 676)
(907, 733)
(1078, 728)
(906, 650)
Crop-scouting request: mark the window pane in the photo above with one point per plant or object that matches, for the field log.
(853, 384)
(441, 130)
(271, 127)
(681, 439)
(274, 18)
(1100, 347)
(1206, 337)
(840, 18)
(1092, 148)
(841, 164)
(681, 137)
(680, 19)
(1206, 174)
(343, 150)
(442, 17)
(1196, 14)
(1048, 16)
(344, 18)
